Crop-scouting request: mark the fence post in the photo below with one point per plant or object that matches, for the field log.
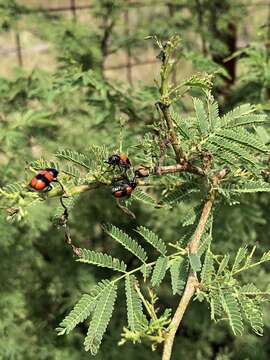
(73, 9)
(19, 49)
(128, 52)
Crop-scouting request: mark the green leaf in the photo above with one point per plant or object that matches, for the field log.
(11, 189)
(243, 137)
(214, 118)
(146, 271)
(144, 197)
(75, 157)
(232, 309)
(82, 309)
(201, 115)
(232, 147)
(159, 271)
(253, 313)
(208, 269)
(192, 215)
(250, 187)
(195, 262)
(205, 242)
(180, 193)
(102, 260)
(250, 289)
(153, 239)
(237, 113)
(247, 120)
(248, 264)
(265, 257)
(224, 155)
(134, 304)
(71, 171)
(248, 259)
(43, 164)
(184, 130)
(178, 272)
(240, 256)
(100, 319)
(223, 264)
(263, 134)
(215, 305)
(129, 243)
(98, 153)
(181, 125)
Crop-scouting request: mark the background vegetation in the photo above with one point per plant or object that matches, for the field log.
(73, 102)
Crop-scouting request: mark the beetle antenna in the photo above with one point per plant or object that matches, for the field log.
(64, 206)
(61, 185)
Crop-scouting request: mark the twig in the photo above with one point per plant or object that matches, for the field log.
(164, 103)
(76, 190)
(184, 167)
(125, 209)
(161, 170)
(145, 303)
(165, 108)
(192, 281)
(163, 141)
(64, 223)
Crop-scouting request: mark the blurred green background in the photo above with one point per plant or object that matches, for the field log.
(46, 106)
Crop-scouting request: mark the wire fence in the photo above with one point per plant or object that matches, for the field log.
(127, 62)
(74, 8)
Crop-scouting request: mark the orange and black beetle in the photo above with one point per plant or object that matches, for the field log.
(121, 160)
(43, 179)
(123, 189)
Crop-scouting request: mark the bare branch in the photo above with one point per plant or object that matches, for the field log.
(159, 171)
(167, 66)
(184, 167)
(192, 281)
(165, 108)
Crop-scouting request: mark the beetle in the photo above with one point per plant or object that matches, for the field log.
(123, 189)
(43, 179)
(120, 160)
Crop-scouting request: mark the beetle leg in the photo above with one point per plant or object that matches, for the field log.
(48, 188)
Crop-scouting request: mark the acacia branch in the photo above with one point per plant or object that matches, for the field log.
(192, 281)
(164, 103)
(76, 190)
(184, 167)
(165, 108)
(159, 171)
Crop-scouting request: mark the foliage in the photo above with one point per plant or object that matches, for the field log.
(77, 114)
